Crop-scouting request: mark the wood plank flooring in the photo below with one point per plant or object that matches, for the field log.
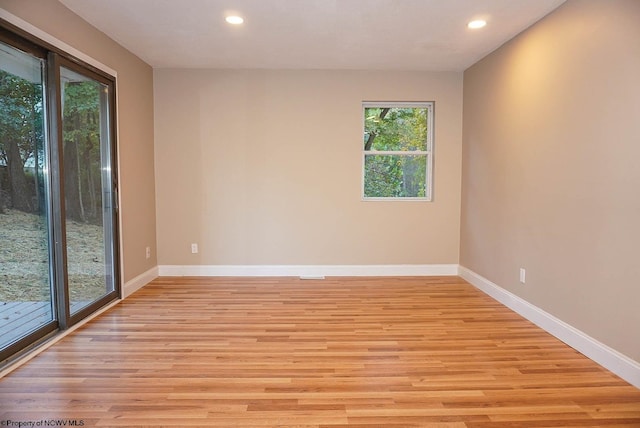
(343, 352)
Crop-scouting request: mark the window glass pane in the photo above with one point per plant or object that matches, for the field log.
(87, 187)
(25, 286)
(395, 129)
(399, 176)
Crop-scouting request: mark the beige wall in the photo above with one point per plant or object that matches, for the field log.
(264, 167)
(551, 180)
(135, 119)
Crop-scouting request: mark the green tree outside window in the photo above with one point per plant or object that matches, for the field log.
(397, 144)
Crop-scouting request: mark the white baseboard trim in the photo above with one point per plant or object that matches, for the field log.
(620, 364)
(310, 270)
(139, 281)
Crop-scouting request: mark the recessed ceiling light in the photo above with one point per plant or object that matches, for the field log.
(478, 23)
(234, 19)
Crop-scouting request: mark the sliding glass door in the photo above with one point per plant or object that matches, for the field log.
(86, 157)
(58, 200)
(26, 298)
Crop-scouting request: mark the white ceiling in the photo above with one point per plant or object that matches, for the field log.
(312, 34)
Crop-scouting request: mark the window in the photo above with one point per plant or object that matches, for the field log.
(397, 153)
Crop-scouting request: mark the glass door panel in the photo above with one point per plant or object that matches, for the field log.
(26, 298)
(58, 229)
(86, 148)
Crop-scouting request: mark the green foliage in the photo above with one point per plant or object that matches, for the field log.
(392, 130)
(81, 140)
(398, 130)
(81, 112)
(389, 176)
(21, 116)
(21, 140)
(383, 177)
(22, 143)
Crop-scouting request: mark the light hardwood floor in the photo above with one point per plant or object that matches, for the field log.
(357, 352)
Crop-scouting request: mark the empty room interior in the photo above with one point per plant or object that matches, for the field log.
(319, 213)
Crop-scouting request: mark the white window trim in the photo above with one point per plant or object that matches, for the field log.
(429, 105)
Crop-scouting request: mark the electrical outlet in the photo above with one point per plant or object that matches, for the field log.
(523, 275)
(194, 248)
(147, 252)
